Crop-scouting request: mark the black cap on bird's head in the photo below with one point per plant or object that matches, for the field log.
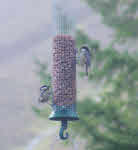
(44, 88)
(86, 48)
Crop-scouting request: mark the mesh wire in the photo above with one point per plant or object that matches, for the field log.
(64, 58)
(63, 21)
(64, 71)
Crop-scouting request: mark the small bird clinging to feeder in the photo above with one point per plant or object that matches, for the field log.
(45, 94)
(85, 58)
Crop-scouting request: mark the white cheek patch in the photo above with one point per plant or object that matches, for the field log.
(83, 50)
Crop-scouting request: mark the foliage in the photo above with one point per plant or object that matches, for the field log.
(112, 122)
(118, 14)
(43, 113)
(83, 38)
(42, 72)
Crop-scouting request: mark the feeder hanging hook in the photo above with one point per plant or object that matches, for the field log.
(62, 129)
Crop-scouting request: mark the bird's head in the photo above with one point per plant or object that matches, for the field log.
(84, 49)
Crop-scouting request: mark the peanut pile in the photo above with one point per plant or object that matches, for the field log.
(64, 70)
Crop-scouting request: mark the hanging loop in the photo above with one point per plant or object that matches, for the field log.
(62, 129)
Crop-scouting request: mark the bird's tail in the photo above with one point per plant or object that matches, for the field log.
(86, 70)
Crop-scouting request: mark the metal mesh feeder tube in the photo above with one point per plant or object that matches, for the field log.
(64, 66)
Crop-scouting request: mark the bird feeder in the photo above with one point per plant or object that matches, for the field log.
(63, 69)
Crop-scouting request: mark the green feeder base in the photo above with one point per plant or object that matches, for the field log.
(63, 115)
